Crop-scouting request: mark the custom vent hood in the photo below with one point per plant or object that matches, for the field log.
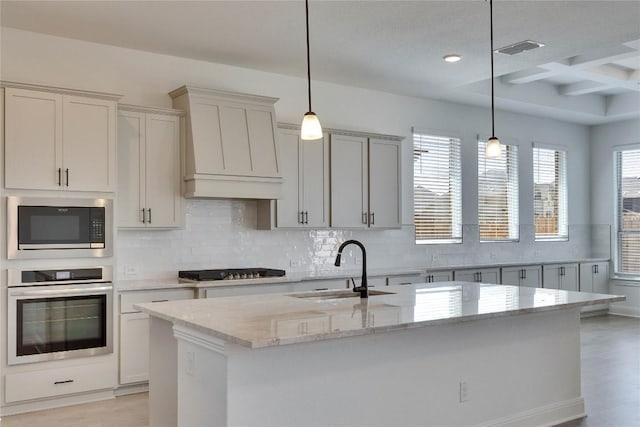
(231, 148)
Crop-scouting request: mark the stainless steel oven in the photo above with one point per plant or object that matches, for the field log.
(59, 227)
(59, 314)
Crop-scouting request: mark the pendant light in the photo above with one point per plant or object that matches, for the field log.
(493, 148)
(311, 128)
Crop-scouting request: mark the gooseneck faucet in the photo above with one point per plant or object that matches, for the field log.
(363, 289)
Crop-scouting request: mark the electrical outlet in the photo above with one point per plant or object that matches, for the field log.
(295, 263)
(492, 255)
(130, 270)
(357, 261)
(464, 392)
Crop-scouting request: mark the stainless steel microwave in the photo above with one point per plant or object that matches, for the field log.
(59, 228)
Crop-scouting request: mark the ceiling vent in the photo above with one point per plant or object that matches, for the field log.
(514, 49)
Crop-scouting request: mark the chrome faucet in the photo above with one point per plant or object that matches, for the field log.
(363, 289)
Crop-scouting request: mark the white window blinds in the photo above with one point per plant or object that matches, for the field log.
(498, 194)
(550, 194)
(628, 206)
(437, 189)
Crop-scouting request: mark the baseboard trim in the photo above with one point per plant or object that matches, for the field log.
(124, 390)
(629, 311)
(544, 416)
(50, 403)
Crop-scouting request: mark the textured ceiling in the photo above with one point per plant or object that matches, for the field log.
(587, 72)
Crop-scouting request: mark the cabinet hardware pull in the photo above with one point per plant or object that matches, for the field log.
(63, 382)
(301, 218)
(59, 177)
(66, 174)
(562, 271)
(321, 289)
(149, 215)
(160, 300)
(524, 273)
(144, 217)
(364, 217)
(373, 218)
(595, 268)
(306, 217)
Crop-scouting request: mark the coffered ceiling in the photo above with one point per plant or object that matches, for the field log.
(588, 70)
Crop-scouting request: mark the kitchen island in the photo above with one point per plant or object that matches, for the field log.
(447, 354)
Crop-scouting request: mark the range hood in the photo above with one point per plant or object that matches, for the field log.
(230, 149)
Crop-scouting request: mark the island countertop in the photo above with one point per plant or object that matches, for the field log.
(258, 321)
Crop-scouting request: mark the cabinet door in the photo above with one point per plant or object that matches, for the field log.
(162, 171)
(551, 276)
(466, 276)
(384, 184)
(134, 348)
(601, 278)
(131, 137)
(532, 277)
(586, 277)
(512, 276)
(314, 161)
(88, 143)
(440, 276)
(33, 131)
(288, 208)
(569, 277)
(349, 182)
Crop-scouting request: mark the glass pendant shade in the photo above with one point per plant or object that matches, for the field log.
(493, 148)
(311, 128)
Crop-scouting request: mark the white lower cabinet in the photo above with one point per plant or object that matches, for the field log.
(55, 382)
(594, 277)
(134, 331)
(237, 290)
(439, 276)
(318, 285)
(560, 276)
(480, 275)
(526, 275)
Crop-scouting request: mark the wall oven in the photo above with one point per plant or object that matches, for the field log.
(59, 228)
(59, 314)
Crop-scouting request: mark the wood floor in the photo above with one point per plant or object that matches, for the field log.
(610, 386)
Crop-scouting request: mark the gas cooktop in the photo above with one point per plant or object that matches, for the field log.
(230, 274)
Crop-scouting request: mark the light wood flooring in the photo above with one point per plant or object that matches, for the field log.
(610, 386)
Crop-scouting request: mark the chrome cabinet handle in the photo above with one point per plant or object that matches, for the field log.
(59, 177)
(66, 174)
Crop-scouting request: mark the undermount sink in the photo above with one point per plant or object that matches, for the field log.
(338, 294)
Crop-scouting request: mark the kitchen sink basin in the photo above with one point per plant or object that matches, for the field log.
(319, 295)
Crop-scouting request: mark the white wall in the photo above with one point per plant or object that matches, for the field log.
(146, 78)
(606, 139)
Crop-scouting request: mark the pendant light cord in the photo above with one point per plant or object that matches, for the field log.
(306, 3)
(493, 132)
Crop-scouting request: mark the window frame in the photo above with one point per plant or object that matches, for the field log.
(454, 180)
(562, 194)
(618, 212)
(513, 222)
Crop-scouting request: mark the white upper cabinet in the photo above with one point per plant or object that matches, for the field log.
(365, 182)
(149, 168)
(59, 140)
(305, 173)
(230, 148)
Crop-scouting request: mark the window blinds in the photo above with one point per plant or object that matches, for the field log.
(437, 189)
(628, 203)
(498, 194)
(550, 194)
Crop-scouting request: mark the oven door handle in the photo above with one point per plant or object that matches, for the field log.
(59, 292)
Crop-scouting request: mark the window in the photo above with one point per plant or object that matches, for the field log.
(628, 207)
(550, 194)
(498, 194)
(437, 189)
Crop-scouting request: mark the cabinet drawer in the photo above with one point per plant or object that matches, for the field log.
(57, 382)
(129, 299)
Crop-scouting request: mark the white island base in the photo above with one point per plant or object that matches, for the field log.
(518, 370)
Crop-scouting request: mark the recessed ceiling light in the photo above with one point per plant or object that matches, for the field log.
(452, 57)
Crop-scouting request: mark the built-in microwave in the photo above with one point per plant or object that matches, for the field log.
(59, 228)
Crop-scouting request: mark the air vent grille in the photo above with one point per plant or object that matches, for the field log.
(519, 47)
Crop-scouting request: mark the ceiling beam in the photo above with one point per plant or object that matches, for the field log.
(582, 88)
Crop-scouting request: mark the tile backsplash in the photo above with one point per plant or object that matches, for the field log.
(223, 234)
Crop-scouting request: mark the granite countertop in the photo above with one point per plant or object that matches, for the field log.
(257, 321)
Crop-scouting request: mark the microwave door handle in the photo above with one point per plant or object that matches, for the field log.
(59, 292)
